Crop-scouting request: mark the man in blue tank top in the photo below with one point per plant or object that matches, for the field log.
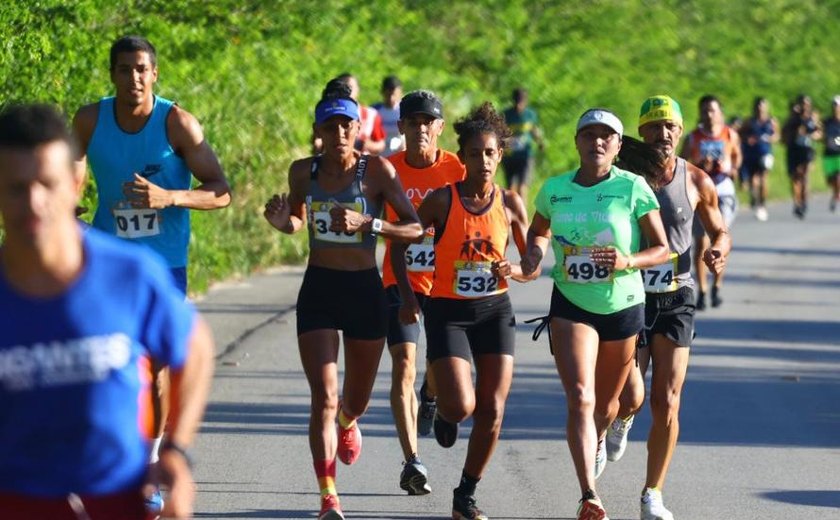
(81, 315)
(143, 151)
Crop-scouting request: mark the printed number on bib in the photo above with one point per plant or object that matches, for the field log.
(421, 257)
(474, 279)
(321, 224)
(661, 278)
(580, 268)
(136, 223)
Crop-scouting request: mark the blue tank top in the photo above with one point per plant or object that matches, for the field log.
(319, 202)
(761, 130)
(115, 155)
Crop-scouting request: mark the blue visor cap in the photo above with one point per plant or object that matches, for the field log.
(336, 107)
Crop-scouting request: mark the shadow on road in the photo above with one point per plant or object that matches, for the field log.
(821, 498)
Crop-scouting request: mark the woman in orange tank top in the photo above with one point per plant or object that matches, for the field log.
(468, 316)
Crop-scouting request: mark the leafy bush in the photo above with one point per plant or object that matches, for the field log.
(252, 72)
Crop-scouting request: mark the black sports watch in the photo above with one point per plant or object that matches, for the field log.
(174, 446)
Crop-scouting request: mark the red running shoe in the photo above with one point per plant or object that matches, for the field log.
(330, 509)
(349, 444)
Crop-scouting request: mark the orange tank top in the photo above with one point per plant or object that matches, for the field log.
(468, 246)
(719, 147)
(417, 184)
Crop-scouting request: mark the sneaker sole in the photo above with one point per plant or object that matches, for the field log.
(332, 514)
(416, 485)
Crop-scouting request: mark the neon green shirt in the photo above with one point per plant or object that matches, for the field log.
(606, 214)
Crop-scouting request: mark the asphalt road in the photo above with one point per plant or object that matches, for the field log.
(760, 415)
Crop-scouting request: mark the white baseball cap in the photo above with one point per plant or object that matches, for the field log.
(600, 116)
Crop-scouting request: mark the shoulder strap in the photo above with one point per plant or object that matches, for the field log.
(313, 171)
(361, 166)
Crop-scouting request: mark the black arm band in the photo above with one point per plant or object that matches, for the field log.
(169, 445)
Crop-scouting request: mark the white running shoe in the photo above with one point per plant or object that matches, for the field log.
(761, 214)
(652, 507)
(617, 437)
(600, 459)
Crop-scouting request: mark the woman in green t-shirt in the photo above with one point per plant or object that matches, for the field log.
(594, 218)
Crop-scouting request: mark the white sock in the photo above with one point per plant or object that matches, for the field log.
(153, 456)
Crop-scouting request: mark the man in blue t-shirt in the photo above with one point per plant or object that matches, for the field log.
(82, 316)
(518, 162)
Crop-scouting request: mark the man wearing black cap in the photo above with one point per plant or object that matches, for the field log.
(422, 167)
(389, 112)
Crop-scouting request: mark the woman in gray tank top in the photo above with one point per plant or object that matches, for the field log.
(339, 196)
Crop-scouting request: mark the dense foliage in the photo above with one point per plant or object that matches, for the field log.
(251, 72)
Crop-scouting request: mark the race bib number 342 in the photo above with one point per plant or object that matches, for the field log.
(136, 223)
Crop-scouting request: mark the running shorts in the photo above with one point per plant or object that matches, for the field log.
(610, 327)
(350, 301)
(797, 156)
(117, 506)
(397, 332)
(670, 314)
(831, 165)
(517, 169)
(458, 328)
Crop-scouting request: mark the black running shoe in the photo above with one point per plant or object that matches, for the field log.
(425, 412)
(446, 432)
(464, 508)
(716, 299)
(415, 478)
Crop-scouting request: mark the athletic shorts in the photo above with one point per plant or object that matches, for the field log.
(670, 314)
(350, 301)
(459, 328)
(831, 165)
(610, 327)
(797, 156)
(517, 169)
(397, 332)
(117, 506)
(757, 163)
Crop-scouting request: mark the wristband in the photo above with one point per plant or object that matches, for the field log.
(376, 226)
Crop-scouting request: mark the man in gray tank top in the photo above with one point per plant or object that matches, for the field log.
(681, 189)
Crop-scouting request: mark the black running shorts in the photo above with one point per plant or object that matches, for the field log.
(670, 314)
(610, 327)
(458, 328)
(350, 301)
(399, 333)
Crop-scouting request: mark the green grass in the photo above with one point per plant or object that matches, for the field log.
(252, 72)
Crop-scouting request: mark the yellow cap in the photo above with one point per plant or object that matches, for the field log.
(660, 108)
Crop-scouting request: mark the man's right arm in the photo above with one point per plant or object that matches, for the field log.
(710, 216)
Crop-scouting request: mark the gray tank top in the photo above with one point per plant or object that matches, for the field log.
(677, 217)
(319, 202)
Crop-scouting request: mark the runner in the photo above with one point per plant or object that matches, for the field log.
(716, 149)
(799, 133)
(518, 162)
(371, 136)
(831, 158)
(338, 196)
(389, 111)
(682, 190)
(422, 168)
(468, 315)
(81, 314)
(758, 135)
(596, 216)
(143, 151)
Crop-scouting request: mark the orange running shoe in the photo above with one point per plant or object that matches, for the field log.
(330, 509)
(349, 444)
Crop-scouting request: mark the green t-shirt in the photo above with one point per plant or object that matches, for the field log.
(522, 125)
(606, 214)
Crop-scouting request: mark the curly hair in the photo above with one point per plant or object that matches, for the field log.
(482, 120)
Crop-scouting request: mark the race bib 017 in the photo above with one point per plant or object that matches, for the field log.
(136, 223)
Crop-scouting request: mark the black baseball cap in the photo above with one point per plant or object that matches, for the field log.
(421, 102)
